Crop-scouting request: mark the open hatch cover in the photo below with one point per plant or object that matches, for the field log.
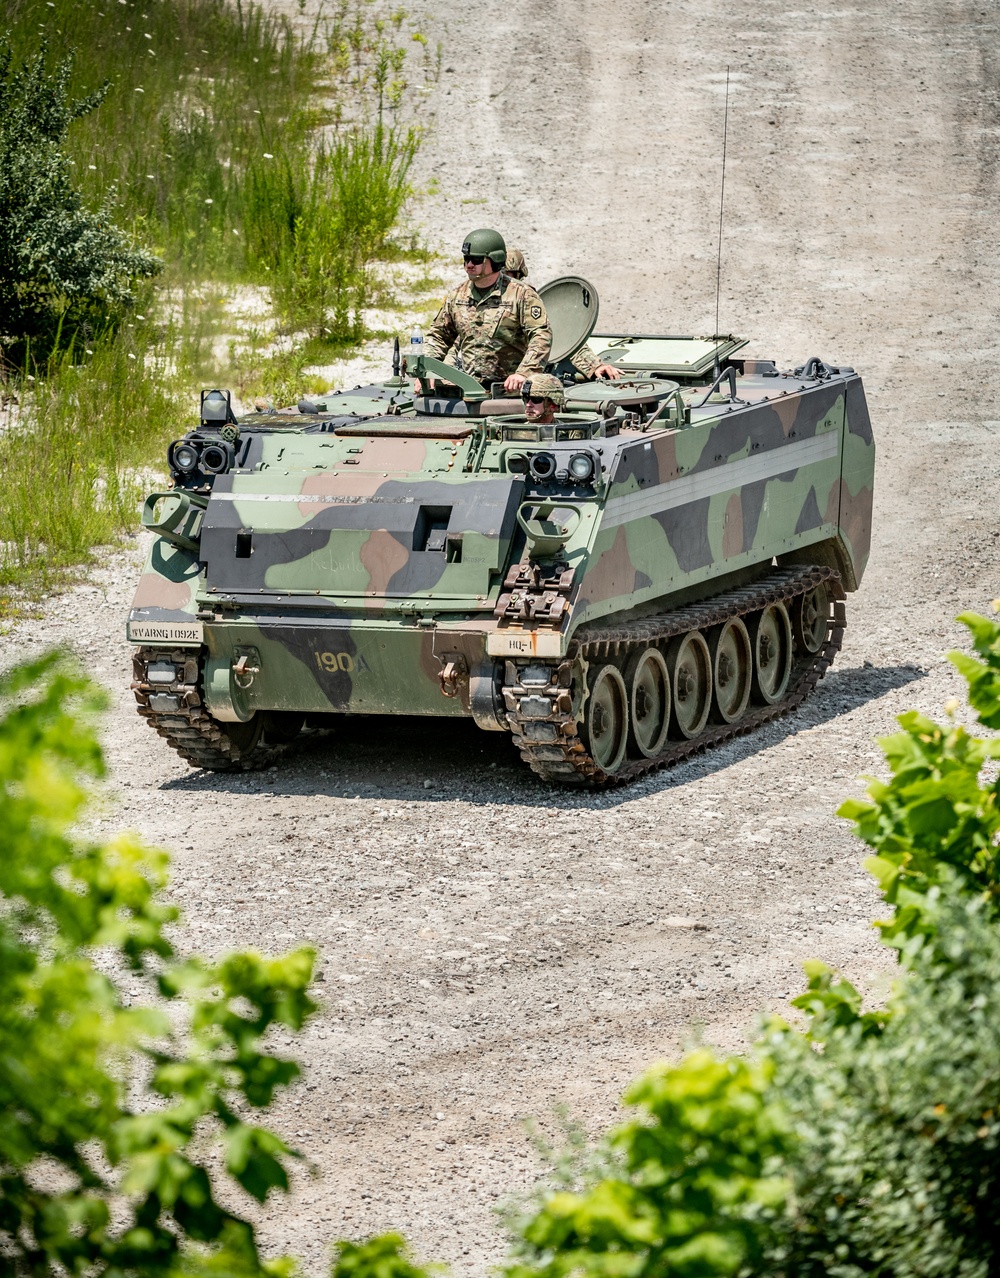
(675, 356)
(571, 305)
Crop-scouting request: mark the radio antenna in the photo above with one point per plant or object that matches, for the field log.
(722, 204)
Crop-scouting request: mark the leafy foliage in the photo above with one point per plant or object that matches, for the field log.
(381, 1257)
(56, 257)
(897, 1167)
(870, 1142)
(934, 818)
(88, 1182)
(699, 1181)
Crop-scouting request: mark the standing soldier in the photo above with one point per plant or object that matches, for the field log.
(497, 325)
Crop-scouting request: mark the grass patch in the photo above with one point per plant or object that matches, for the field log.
(242, 153)
(72, 462)
(199, 89)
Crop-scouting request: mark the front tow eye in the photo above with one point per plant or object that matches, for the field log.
(454, 672)
(245, 667)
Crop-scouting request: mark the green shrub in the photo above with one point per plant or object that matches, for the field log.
(897, 1165)
(197, 89)
(59, 262)
(90, 1182)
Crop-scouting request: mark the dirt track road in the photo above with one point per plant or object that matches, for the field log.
(489, 946)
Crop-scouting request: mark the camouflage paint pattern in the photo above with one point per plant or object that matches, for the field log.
(351, 558)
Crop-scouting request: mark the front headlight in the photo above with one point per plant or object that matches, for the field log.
(183, 457)
(581, 467)
(542, 466)
(217, 458)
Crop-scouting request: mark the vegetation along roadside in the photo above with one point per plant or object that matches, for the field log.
(864, 1142)
(160, 159)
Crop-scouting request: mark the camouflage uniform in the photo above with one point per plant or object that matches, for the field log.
(506, 331)
(584, 360)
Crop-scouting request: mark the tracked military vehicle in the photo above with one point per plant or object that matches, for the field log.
(662, 567)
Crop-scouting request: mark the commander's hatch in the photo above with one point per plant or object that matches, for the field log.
(571, 304)
(681, 358)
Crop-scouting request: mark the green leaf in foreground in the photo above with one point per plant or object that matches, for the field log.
(76, 917)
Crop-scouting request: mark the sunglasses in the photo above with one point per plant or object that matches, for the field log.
(533, 399)
(475, 259)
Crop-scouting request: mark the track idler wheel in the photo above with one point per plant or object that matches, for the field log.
(690, 666)
(648, 682)
(605, 718)
(244, 737)
(771, 638)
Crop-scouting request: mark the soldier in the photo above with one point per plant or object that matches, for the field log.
(584, 360)
(497, 325)
(542, 395)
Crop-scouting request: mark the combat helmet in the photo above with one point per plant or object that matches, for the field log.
(545, 384)
(485, 243)
(516, 267)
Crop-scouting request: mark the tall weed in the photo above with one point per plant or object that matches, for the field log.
(72, 466)
(239, 151)
(319, 229)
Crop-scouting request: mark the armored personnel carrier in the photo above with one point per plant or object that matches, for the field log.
(661, 568)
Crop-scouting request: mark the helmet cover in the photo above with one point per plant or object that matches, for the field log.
(485, 243)
(546, 385)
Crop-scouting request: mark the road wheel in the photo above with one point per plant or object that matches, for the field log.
(244, 737)
(605, 720)
(771, 636)
(690, 666)
(810, 618)
(648, 683)
(732, 670)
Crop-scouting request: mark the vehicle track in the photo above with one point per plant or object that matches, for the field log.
(551, 742)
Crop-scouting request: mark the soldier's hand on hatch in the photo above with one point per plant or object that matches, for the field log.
(514, 382)
(609, 371)
(429, 382)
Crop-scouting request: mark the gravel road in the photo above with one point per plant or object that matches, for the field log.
(490, 948)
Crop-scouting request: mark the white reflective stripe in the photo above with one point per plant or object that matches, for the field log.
(720, 479)
(324, 499)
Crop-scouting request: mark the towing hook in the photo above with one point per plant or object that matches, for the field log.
(244, 672)
(454, 672)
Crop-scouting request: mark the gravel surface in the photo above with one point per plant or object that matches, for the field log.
(489, 947)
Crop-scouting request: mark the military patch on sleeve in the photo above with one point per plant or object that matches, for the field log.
(536, 312)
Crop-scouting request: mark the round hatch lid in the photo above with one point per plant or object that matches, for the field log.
(571, 304)
(629, 393)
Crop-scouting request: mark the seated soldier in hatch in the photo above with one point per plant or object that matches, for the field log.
(497, 325)
(584, 361)
(542, 395)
